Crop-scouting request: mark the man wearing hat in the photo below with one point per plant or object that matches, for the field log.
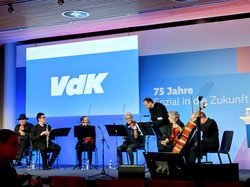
(23, 130)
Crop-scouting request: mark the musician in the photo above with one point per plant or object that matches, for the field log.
(179, 122)
(210, 137)
(86, 143)
(168, 144)
(132, 141)
(42, 141)
(159, 117)
(23, 131)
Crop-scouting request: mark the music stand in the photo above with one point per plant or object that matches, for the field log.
(84, 131)
(116, 130)
(81, 132)
(146, 128)
(58, 132)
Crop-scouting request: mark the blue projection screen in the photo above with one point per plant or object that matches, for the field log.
(91, 77)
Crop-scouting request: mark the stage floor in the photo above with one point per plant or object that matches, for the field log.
(93, 173)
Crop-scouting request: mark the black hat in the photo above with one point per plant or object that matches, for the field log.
(22, 116)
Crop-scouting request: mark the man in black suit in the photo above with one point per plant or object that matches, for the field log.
(159, 117)
(42, 141)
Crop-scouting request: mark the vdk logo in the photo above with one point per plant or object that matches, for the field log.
(84, 84)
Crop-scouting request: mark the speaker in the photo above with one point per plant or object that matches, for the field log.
(166, 165)
(131, 171)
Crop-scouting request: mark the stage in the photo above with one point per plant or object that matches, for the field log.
(93, 174)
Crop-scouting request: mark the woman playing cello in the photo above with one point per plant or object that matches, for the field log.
(168, 144)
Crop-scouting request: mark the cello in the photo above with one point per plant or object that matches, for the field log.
(187, 132)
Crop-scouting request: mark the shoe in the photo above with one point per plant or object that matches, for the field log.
(47, 167)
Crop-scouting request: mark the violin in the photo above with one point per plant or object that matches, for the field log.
(187, 132)
(89, 140)
(132, 125)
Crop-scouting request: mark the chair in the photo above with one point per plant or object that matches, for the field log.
(225, 146)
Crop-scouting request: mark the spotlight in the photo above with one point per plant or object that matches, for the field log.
(10, 9)
(60, 2)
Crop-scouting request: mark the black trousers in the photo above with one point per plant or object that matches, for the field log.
(54, 148)
(24, 147)
(130, 149)
(193, 152)
(81, 147)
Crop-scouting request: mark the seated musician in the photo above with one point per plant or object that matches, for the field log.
(132, 141)
(23, 131)
(86, 144)
(41, 140)
(210, 137)
(168, 144)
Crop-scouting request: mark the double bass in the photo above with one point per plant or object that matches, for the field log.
(187, 132)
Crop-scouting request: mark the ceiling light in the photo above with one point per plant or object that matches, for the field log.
(10, 9)
(60, 2)
(75, 14)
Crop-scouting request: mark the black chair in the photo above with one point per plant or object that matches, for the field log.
(225, 146)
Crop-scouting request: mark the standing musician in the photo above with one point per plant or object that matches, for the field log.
(23, 131)
(210, 137)
(86, 143)
(159, 117)
(168, 144)
(42, 141)
(132, 141)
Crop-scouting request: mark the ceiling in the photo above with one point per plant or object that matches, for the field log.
(37, 19)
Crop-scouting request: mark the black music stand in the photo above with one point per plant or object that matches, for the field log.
(146, 128)
(81, 132)
(59, 132)
(116, 130)
(84, 131)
